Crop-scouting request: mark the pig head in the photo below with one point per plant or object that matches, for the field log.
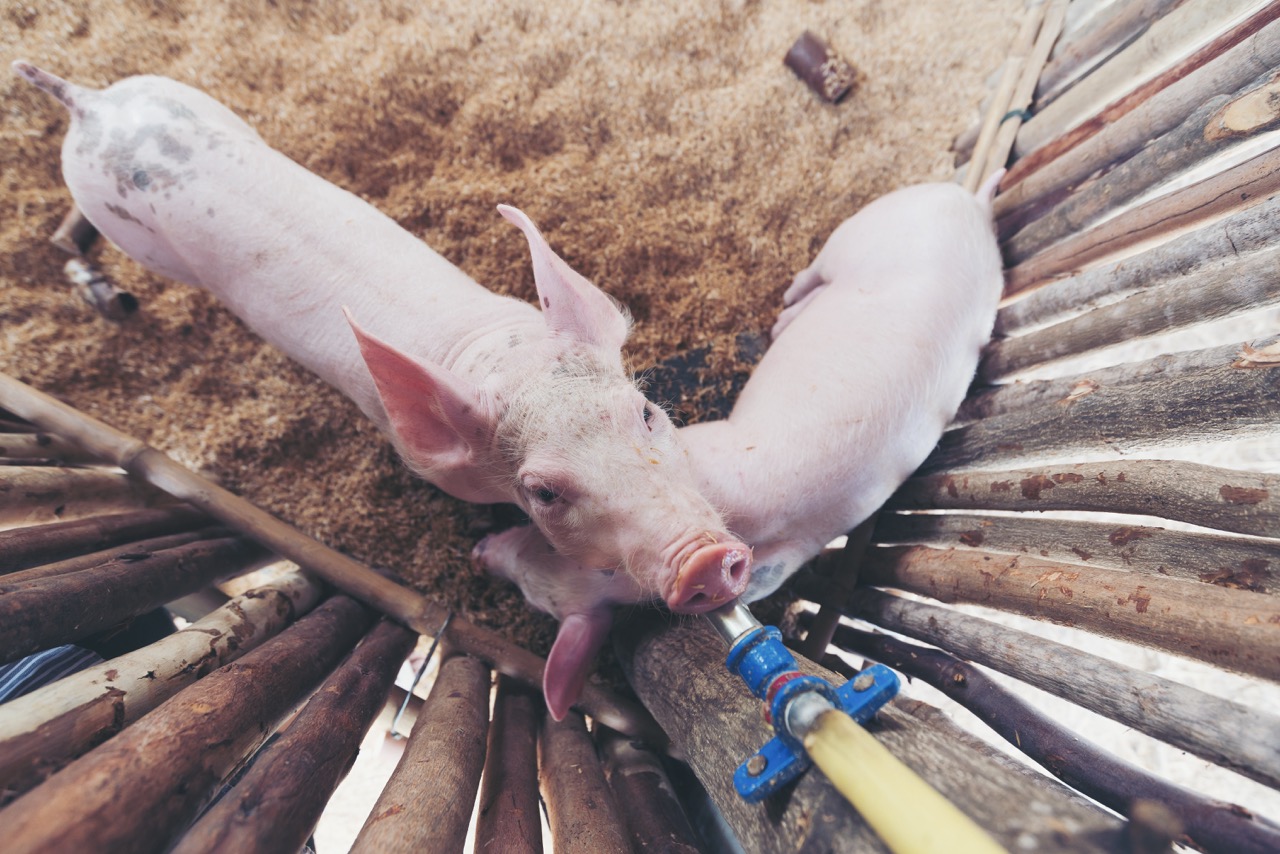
(568, 437)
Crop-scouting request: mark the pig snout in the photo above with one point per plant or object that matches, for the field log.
(708, 578)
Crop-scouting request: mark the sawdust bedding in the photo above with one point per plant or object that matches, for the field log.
(662, 147)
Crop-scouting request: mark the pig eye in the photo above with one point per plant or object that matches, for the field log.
(650, 413)
(544, 495)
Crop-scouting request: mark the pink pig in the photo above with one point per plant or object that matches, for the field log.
(485, 396)
(871, 358)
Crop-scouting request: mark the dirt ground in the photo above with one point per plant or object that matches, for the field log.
(662, 147)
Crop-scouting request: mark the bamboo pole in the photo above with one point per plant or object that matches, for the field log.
(48, 494)
(580, 807)
(1112, 30)
(1215, 728)
(1229, 191)
(276, 804)
(405, 605)
(39, 614)
(128, 552)
(1057, 143)
(1178, 407)
(509, 819)
(1220, 122)
(1233, 629)
(21, 548)
(648, 803)
(1207, 251)
(1245, 284)
(1210, 825)
(1027, 190)
(1236, 501)
(1166, 43)
(139, 790)
(428, 801)
(1003, 95)
(43, 731)
(1024, 91)
(678, 669)
(1235, 562)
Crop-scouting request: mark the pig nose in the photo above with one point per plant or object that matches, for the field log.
(712, 576)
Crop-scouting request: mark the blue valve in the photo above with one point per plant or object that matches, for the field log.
(770, 672)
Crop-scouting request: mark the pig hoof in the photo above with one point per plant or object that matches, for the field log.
(477, 555)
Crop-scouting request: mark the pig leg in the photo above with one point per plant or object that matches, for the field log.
(807, 284)
(561, 587)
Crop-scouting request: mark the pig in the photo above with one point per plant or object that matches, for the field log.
(871, 357)
(486, 396)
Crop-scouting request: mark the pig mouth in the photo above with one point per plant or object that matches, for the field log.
(707, 573)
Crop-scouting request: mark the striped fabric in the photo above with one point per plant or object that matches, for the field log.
(27, 674)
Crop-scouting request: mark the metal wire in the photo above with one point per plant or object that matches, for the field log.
(404, 704)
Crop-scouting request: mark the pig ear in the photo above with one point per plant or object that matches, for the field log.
(579, 639)
(436, 416)
(573, 307)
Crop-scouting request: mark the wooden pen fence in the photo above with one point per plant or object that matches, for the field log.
(1114, 469)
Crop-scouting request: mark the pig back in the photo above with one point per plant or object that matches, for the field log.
(857, 390)
(912, 284)
(190, 191)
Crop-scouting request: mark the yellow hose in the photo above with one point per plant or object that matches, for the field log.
(905, 811)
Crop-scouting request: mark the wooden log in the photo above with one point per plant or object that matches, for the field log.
(1165, 44)
(21, 548)
(407, 606)
(43, 731)
(1110, 31)
(31, 461)
(49, 494)
(649, 806)
(1235, 562)
(427, 803)
(1182, 405)
(1220, 122)
(1244, 739)
(1245, 284)
(1219, 46)
(1065, 391)
(843, 575)
(1229, 191)
(10, 424)
(1209, 825)
(677, 668)
(580, 808)
(276, 804)
(1235, 501)
(509, 819)
(39, 614)
(42, 446)
(139, 790)
(129, 552)
(1028, 191)
(1204, 252)
(1234, 629)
